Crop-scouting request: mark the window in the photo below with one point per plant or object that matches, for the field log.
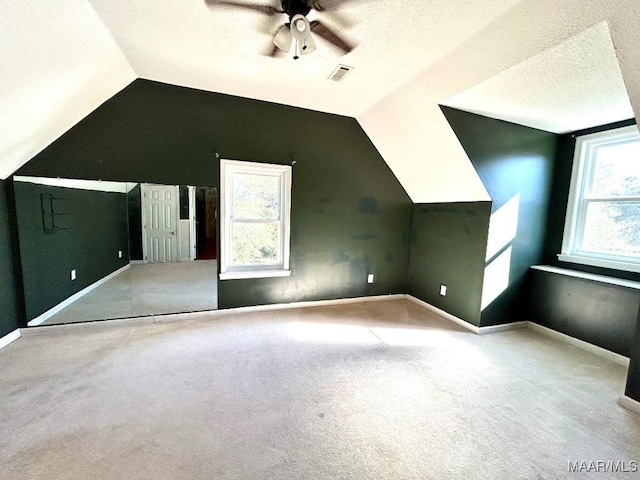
(602, 227)
(255, 202)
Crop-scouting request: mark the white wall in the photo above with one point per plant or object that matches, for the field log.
(411, 133)
(59, 63)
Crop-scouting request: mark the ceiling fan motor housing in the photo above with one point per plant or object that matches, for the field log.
(295, 7)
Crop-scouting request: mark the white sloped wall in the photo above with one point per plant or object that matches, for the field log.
(413, 136)
(59, 62)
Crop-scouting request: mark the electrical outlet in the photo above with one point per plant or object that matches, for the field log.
(119, 253)
(73, 274)
(443, 290)
(370, 278)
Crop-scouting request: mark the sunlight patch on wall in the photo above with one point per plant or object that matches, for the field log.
(503, 227)
(496, 278)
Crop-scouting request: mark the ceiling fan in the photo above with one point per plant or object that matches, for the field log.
(296, 33)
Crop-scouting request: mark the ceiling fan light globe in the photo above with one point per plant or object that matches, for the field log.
(283, 38)
(299, 33)
(308, 45)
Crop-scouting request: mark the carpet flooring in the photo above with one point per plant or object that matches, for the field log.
(377, 390)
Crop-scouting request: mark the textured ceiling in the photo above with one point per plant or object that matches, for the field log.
(219, 48)
(424, 152)
(574, 85)
(529, 61)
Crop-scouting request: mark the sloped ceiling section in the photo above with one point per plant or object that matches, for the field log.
(422, 150)
(572, 86)
(59, 62)
(219, 49)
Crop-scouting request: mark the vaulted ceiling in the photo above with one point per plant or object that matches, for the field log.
(556, 65)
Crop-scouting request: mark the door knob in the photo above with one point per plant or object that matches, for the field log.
(173, 233)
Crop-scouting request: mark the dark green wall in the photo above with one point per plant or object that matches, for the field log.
(134, 210)
(448, 244)
(511, 160)
(350, 215)
(10, 318)
(95, 228)
(601, 314)
(633, 380)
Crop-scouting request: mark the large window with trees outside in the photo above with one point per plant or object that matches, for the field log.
(602, 227)
(255, 202)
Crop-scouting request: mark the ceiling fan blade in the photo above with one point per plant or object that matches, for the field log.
(339, 18)
(329, 35)
(266, 9)
(307, 46)
(268, 25)
(272, 50)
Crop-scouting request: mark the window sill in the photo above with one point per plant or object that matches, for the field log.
(255, 274)
(599, 262)
(588, 276)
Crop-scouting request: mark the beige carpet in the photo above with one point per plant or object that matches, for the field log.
(383, 390)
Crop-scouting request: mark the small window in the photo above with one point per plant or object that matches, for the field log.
(255, 202)
(602, 227)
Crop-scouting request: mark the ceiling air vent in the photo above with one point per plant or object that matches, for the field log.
(340, 72)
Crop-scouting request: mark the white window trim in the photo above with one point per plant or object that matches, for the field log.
(227, 169)
(571, 252)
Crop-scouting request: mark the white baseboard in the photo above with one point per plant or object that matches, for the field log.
(136, 262)
(467, 325)
(443, 314)
(629, 404)
(603, 352)
(51, 312)
(9, 337)
(502, 328)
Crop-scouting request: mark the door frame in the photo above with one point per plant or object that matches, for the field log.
(192, 222)
(176, 213)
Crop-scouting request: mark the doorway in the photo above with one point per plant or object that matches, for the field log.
(206, 199)
(159, 223)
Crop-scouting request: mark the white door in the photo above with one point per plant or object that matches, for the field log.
(160, 223)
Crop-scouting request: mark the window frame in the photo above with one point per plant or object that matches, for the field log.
(581, 175)
(228, 271)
